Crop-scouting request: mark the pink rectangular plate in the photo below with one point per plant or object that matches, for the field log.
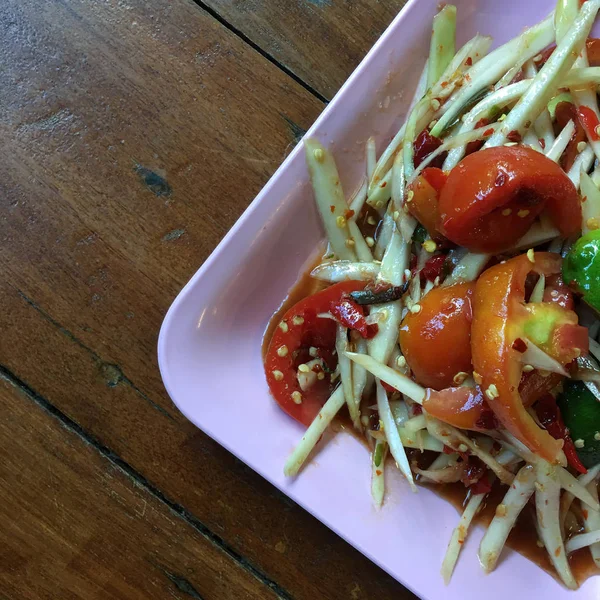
(213, 331)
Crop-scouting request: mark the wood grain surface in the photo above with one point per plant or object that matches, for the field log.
(134, 133)
(319, 41)
(77, 525)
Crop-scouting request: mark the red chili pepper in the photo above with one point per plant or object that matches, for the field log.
(513, 136)
(550, 418)
(483, 486)
(352, 315)
(544, 56)
(487, 419)
(565, 112)
(592, 46)
(448, 450)
(474, 471)
(424, 145)
(388, 388)
(590, 122)
(477, 144)
(519, 345)
(434, 267)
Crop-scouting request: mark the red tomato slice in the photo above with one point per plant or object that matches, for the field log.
(436, 341)
(466, 408)
(462, 407)
(423, 203)
(493, 196)
(299, 330)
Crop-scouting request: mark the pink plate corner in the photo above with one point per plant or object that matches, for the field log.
(213, 331)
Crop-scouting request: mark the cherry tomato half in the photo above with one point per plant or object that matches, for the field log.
(436, 341)
(493, 196)
(466, 407)
(423, 204)
(299, 330)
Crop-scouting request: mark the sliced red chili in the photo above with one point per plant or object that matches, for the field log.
(474, 471)
(388, 388)
(352, 315)
(424, 145)
(434, 268)
(483, 486)
(550, 418)
(477, 144)
(541, 59)
(565, 112)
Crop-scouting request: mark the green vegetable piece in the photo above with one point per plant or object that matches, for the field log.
(581, 268)
(443, 43)
(581, 413)
(542, 321)
(420, 234)
(378, 454)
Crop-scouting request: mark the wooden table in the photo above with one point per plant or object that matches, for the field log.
(134, 133)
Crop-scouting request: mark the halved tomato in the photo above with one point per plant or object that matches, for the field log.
(436, 341)
(300, 337)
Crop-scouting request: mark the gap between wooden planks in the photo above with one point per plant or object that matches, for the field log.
(319, 42)
(80, 526)
(134, 134)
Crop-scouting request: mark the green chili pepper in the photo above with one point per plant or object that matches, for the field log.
(420, 234)
(581, 268)
(580, 410)
(378, 454)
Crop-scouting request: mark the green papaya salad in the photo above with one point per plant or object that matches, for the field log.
(455, 316)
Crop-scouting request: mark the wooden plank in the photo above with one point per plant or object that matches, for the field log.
(269, 530)
(148, 178)
(75, 525)
(134, 133)
(320, 41)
